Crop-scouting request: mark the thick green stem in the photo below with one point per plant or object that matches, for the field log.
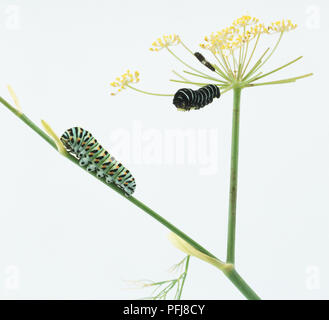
(237, 280)
(241, 285)
(234, 176)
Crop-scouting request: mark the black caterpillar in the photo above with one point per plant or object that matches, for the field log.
(186, 99)
(90, 153)
(203, 60)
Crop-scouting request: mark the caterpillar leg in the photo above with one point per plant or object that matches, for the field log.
(84, 161)
(91, 167)
(129, 186)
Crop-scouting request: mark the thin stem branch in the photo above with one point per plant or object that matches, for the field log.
(184, 278)
(244, 60)
(227, 68)
(219, 71)
(277, 69)
(226, 89)
(205, 77)
(251, 79)
(186, 47)
(227, 63)
(184, 63)
(180, 76)
(270, 55)
(280, 81)
(253, 69)
(195, 83)
(150, 93)
(251, 55)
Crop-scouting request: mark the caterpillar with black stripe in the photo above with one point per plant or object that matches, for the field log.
(90, 153)
(186, 99)
(203, 60)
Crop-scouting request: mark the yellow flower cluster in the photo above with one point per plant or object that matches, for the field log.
(257, 29)
(242, 31)
(220, 40)
(281, 26)
(125, 80)
(244, 21)
(224, 43)
(166, 41)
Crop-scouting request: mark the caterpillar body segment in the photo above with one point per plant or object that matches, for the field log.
(186, 99)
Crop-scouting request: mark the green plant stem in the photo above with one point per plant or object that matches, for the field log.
(279, 81)
(184, 277)
(170, 226)
(180, 76)
(149, 93)
(209, 78)
(219, 71)
(197, 83)
(241, 285)
(270, 55)
(184, 63)
(238, 281)
(251, 55)
(253, 69)
(277, 69)
(230, 258)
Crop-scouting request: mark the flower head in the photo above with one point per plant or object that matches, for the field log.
(241, 31)
(281, 26)
(234, 63)
(219, 41)
(165, 41)
(257, 29)
(123, 81)
(244, 21)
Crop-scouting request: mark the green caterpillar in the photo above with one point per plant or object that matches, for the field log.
(90, 153)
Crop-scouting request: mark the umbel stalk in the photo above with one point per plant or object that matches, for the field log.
(230, 258)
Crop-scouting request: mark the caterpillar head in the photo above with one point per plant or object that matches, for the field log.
(180, 102)
(65, 138)
(183, 99)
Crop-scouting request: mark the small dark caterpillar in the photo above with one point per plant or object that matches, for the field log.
(186, 99)
(203, 60)
(90, 153)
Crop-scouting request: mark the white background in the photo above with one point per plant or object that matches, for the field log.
(65, 235)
